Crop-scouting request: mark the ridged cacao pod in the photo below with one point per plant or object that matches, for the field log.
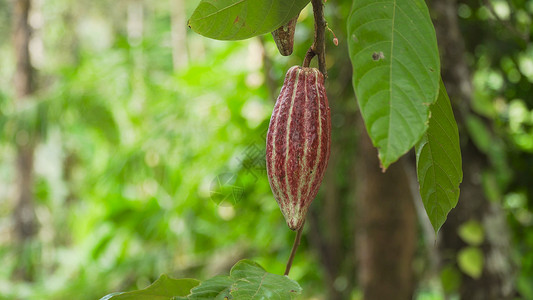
(298, 143)
(284, 37)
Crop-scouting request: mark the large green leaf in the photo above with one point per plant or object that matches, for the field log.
(471, 261)
(438, 162)
(247, 281)
(164, 288)
(217, 287)
(396, 70)
(253, 282)
(242, 19)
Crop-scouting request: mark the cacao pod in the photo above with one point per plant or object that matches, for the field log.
(284, 37)
(298, 143)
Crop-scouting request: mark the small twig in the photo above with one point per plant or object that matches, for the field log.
(319, 45)
(308, 57)
(293, 251)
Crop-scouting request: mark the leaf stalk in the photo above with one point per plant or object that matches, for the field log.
(293, 251)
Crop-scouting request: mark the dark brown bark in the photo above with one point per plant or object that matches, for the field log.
(319, 45)
(387, 228)
(25, 226)
(496, 280)
(24, 215)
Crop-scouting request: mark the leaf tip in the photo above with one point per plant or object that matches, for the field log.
(382, 162)
(436, 229)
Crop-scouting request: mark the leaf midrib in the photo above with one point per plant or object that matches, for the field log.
(389, 135)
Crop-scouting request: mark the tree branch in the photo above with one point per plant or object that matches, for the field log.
(319, 45)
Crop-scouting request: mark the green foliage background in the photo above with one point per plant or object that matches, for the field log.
(144, 146)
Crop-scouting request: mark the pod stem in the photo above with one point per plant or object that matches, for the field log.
(294, 247)
(319, 45)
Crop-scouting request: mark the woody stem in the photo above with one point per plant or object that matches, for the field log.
(294, 247)
(319, 45)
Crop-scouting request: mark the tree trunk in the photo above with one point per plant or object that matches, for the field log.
(24, 213)
(331, 217)
(180, 58)
(325, 228)
(495, 281)
(387, 228)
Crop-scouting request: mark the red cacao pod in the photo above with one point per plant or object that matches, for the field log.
(298, 143)
(284, 37)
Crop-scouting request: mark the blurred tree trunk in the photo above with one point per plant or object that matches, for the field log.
(496, 278)
(180, 57)
(24, 213)
(331, 231)
(386, 237)
(331, 218)
(135, 22)
(325, 225)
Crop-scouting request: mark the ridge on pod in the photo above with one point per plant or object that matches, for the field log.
(298, 143)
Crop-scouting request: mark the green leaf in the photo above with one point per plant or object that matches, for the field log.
(438, 162)
(491, 188)
(100, 117)
(450, 278)
(470, 261)
(217, 287)
(242, 19)
(472, 233)
(396, 70)
(485, 141)
(247, 280)
(479, 133)
(164, 288)
(253, 282)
